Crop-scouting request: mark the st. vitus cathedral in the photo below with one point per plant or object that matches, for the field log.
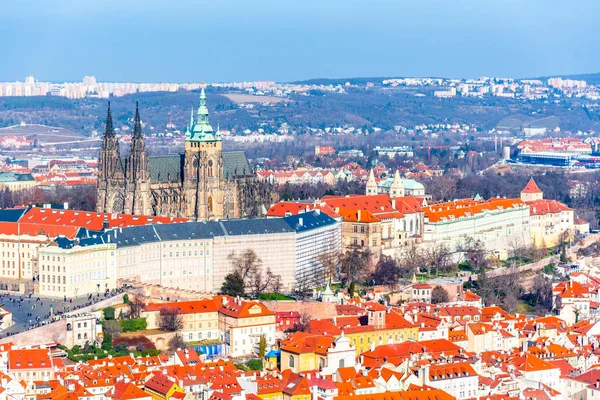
(203, 183)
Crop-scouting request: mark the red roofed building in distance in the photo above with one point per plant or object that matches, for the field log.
(551, 221)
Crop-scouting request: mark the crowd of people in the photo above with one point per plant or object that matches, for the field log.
(58, 310)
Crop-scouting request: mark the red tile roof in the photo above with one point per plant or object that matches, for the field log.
(187, 307)
(90, 220)
(531, 187)
(29, 359)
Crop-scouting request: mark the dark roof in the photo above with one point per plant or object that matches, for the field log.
(310, 220)
(166, 168)
(12, 215)
(15, 177)
(188, 230)
(235, 163)
(170, 167)
(255, 226)
(137, 235)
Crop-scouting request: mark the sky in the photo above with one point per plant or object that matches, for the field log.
(287, 40)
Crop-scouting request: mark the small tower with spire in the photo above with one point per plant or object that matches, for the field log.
(531, 192)
(371, 184)
(397, 187)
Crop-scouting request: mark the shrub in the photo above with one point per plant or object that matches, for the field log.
(126, 298)
(107, 342)
(109, 313)
(132, 325)
(255, 365)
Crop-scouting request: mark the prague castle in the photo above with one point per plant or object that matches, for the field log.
(203, 183)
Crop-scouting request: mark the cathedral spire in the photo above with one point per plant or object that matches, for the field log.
(202, 130)
(109, 131)
(191, 119)
(137, 128)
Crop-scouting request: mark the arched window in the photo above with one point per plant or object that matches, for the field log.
(210, 203)
(210, 168)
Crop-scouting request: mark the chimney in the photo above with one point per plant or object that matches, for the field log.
(301, 221)
(358, 215)
(105, 223)
(66, 205)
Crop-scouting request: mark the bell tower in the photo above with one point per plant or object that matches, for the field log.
(371, 185)
(138, 172)
(203, 168)
(110, 171)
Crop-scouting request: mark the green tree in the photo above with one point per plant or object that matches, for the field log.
(262, 347)
(107, 342)
(233, 285)
(126, 298)
(109, 313)
(351, 289)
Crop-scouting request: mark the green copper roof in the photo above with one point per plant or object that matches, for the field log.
(202, 131)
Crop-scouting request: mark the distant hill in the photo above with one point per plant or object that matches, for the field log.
(341, 81)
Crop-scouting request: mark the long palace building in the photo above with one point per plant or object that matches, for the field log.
(203, 183)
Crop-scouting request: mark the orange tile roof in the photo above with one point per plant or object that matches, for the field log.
(450, 371)
(128, 391)
(467, 208)
(187, 307)
(90, 220)
(430, 394)
(29, 359)
(543, 207)
(531, 187)
(48, 230)
(244, 309)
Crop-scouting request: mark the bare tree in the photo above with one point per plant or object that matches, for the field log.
(386, 271)
(437, 257)
(177, 343)
(247, 263)
(439, 295)
(170, 319)
(306, 280)
(355, 265)
(475, 253)
(412, 259)
(249, 266)
(136, 305)
(330, 262)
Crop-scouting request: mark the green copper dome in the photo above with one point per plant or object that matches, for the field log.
(201, 131)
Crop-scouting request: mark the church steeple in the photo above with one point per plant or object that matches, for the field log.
(371, 184)
(109, 132)
(397, 187)
(137, 124)
(202, 130)
(138, 171)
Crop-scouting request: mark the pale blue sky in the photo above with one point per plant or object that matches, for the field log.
(284, 40)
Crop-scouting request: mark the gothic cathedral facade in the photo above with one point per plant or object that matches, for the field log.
(203, 183)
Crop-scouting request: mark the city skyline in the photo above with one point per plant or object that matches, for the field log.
(270, 41)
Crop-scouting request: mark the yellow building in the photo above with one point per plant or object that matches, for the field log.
(200, 318)
(243, 323)
(376, 327)
(162, 388)
(14, 181)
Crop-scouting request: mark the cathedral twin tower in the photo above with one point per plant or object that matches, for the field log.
(203, 183)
